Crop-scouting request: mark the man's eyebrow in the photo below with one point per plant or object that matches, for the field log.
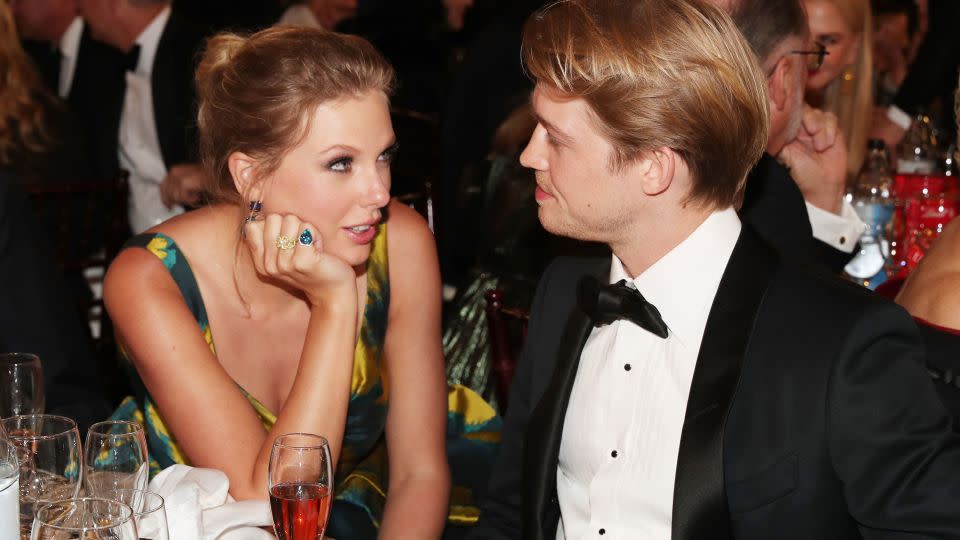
(555, 132)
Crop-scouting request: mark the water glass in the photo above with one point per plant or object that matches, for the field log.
(301, 485)
(50, 460)
(9, 490)
(21, 384)
(115, 458)
(84, 519)
(148, 512)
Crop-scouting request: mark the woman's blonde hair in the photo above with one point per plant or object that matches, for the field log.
(257, 93)
(22, 127)
(850, 96)
(659, 73)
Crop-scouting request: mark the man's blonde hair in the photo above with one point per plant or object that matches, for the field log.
(659, 73)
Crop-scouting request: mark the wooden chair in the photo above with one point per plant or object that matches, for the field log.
(416, 171)
(86, 225)
(502, 322)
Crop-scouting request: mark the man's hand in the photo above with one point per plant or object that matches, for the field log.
(817, 159)
(184, 185)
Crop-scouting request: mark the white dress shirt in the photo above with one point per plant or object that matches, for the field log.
(139, 144)
(621, 434)
(69, 52)
(299, 15)
(839, 231)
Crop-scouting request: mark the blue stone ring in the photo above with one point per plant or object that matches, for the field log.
(306, 238)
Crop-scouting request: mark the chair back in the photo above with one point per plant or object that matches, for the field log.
(416, 170)
(85, 224)
(501, 324)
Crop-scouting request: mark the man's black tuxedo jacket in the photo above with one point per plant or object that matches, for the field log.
(810, 414)
(774, 206)
(95, 90)
(173, 92)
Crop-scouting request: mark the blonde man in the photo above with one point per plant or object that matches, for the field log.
(708, 391)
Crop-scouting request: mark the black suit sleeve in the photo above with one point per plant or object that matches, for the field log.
(891, 440)
(37, 316)
(774, 206)
(500, 508)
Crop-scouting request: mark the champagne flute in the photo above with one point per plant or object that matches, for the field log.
(115, 458)
(83, 519)
(21, 384)
(149, 512)
(301, 486)
(48, 452)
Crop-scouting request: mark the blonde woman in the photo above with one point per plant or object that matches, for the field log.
(843, 85)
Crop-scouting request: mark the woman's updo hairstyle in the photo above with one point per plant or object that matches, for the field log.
(257, 93)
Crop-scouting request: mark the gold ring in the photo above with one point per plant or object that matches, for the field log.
(284, 242)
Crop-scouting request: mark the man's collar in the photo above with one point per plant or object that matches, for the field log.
(683, 282)
(70, 40)
(149, 40)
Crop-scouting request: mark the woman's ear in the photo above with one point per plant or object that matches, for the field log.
(243, 170)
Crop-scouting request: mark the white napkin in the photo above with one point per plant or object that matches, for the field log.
(199, 506)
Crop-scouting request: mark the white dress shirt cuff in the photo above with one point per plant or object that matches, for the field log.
(839, 231)
(899, 117)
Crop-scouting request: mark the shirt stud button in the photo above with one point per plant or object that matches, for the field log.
(603, 531)
(614, 454)
(627, 367)
(843, 240)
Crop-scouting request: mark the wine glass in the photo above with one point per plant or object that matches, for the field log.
(21, 384)
(83, 519)
(115, 458)
(149, 513)
(48, 451)
(301, 485)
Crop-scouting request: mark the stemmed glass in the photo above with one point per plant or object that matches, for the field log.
(48, 451)
(148, 512)
(301, 485)
(84, 519)
(115, 458)
(21, 384)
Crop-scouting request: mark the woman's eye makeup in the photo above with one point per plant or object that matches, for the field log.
(390, 153)
(340, 164)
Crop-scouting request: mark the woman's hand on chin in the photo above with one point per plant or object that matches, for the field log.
(291, 251)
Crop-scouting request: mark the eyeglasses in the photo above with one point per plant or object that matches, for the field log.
(814, 58)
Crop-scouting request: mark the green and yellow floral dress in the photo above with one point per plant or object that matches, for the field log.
(360, 483)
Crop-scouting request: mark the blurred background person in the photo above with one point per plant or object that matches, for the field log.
(151, 121)
(325, 14)
(930, 79)
(843, 85)
(78, 69)
(895, 25)
(39, 140)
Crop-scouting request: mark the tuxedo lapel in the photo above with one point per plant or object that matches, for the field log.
(164, 88)
(545, 426)
(699, 499)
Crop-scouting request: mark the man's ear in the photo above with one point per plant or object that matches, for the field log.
(778, 84)
(243, 170)
(657, 169)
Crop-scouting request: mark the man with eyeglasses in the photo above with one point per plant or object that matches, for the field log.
(794, 195)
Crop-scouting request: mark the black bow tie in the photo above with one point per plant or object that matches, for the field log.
(608, 303)
(131, 58)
